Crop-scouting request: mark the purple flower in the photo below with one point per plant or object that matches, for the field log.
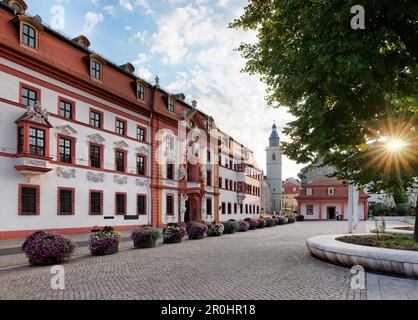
(100, 241)
(45, 248)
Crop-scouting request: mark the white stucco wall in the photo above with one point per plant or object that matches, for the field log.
(10, 178)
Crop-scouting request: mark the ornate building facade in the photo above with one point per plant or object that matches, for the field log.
(85, 142)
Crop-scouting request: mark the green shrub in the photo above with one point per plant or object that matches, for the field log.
(381, 210)
(291, 220)
(215, 230)
(243, 226)
(230, 227)
(261, 223)
(402, 209)
(283, 220)
(270, 222)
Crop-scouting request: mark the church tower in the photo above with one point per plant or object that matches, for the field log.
(274, 170)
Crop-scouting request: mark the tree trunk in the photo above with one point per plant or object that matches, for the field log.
(416, 222)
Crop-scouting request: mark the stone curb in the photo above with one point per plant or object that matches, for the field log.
(395, 231)
(392, 261)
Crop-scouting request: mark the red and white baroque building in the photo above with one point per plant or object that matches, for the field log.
(322, 197)
(85, 142)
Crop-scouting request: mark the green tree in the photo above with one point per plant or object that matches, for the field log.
(399, 195)
(351, 91)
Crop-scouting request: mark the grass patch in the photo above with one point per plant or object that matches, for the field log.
(405, 228)
(389, 241)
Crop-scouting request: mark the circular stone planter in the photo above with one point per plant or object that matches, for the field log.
(395, 231)
(399, 262)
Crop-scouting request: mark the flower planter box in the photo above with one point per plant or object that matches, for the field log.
(108, 251)
(145, 244)
(172, 240)
(196, 237)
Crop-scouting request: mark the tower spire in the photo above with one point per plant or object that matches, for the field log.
(274, 137)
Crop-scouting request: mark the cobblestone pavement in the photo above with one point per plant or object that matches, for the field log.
(264, 264)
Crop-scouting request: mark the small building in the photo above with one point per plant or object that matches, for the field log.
(323, 197)
(291, 189)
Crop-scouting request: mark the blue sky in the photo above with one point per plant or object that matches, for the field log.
(187, 44)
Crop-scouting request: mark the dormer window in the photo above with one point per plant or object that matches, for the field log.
(29, 36)
(96, 70)
(82, 41)
(16, 7)
(96, 64)
(171, 104)
(29, 29)
(141, 91)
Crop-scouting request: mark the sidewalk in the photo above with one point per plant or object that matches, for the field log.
(383, 287)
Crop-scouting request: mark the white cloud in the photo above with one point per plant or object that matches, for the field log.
(110, 9)
(91, 19)
(200, 37)
(184, 27)
(141, 59)
(141, 36)
(144, 73)
(130, 5)
(126, 4)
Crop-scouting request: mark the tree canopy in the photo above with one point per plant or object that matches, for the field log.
(351, 91)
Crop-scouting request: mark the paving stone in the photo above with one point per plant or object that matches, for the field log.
(268, 264)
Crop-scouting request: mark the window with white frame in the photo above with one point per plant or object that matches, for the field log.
(331, 191)
(309, 191)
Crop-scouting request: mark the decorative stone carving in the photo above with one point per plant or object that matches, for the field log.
(203, 208)
(141, 183)
(95, 177)
(170, 219)
(67, 130)
(120, 180)
(37, 113)
(170, 183)
(142, 150)
(183, 209)
(203, 176)
(65, 173)
(37, 163)
(121, 145)
(97, 138)
(182, 173)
